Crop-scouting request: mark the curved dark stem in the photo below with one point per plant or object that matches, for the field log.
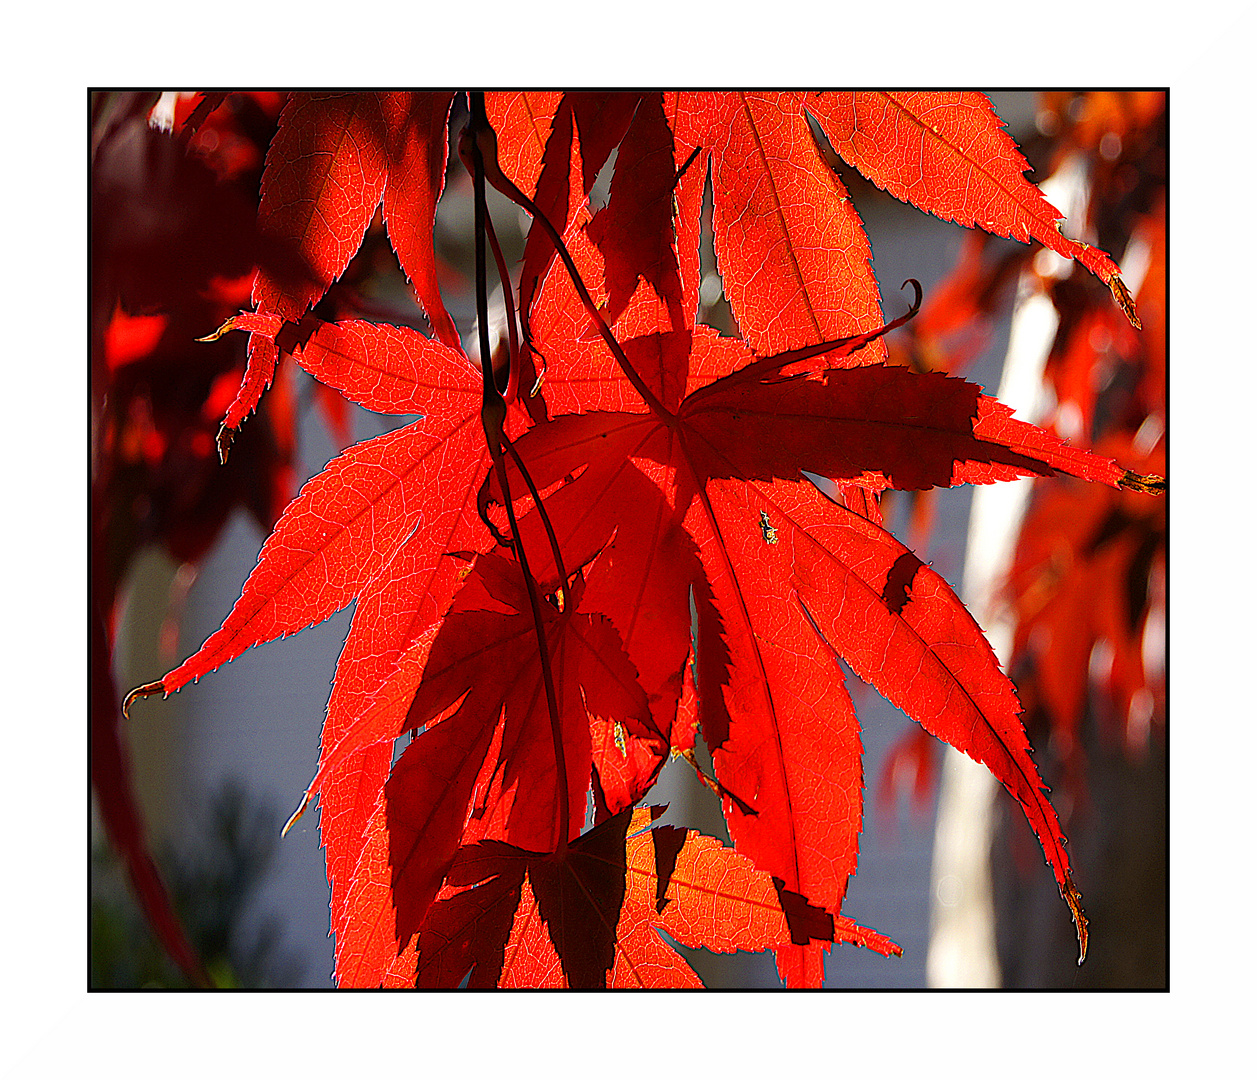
(492, 405)
(769, 365)
(545, 518)
(512, 382)
(547, 675)
(486, 145)
(493, 417)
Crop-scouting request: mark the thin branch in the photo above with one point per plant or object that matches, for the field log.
(486, 145)
(513, 356)
(493, 417)
(545, 518)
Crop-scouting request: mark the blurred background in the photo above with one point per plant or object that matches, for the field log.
(1069, 581)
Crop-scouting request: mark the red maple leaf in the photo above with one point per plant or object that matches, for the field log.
(591, 918)
(685, 570)
(334, 160)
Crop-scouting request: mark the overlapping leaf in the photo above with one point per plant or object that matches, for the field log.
(786, 571)
(789, 242)
(335, 159)
(591, 919)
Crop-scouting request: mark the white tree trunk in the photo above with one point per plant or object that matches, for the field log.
(962, 917)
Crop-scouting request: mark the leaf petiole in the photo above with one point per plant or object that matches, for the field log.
(493, 417)
(545, 519)
(513, 356)
(489, 155)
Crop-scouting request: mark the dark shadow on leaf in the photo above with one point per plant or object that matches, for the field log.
(712, 666)
(898, 589)
(635, 229)
(865, 424)
(579, 898)
(578, 894)
(467, 932)
(806, 921)
(668, 843)
(296, 335)
(599, 121)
